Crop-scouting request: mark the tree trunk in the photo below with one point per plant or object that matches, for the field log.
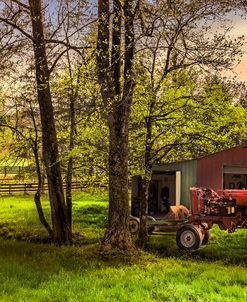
(146, 178)
(70, 163)
(72, 97)
(61, 230)
(118, 235)
(143, 232)
(117, 98)
(38, 193)
(37, 201)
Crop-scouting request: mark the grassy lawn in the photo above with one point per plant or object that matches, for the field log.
(31, 271)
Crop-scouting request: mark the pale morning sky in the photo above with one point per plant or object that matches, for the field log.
(240, 28)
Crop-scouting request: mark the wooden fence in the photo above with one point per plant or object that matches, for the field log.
(25, 188)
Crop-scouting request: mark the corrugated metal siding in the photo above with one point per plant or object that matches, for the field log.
(210, 168)
(188, 176)
(188, 180)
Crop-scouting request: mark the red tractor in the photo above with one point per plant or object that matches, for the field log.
(228, 211)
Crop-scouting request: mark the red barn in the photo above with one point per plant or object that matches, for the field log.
(222, 170)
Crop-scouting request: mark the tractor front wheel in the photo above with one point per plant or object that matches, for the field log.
(189, 237)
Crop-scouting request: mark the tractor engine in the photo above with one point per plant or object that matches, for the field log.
(221, 206)
(205, 201)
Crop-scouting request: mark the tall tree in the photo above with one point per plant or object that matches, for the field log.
(51, 41)
(174, 38)
(116, 83)
(61, 231)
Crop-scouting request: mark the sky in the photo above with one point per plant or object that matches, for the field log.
(239, 29)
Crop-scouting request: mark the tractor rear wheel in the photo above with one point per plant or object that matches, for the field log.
(189, 237)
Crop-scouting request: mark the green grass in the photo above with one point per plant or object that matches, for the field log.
(43, 272)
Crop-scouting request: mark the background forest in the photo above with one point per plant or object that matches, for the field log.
(99, 92)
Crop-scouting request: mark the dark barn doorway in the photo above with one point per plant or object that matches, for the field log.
(234, 177)
(161, 182)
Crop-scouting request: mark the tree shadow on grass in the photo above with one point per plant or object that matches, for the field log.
(51, 258)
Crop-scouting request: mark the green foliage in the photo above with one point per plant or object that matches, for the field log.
(76, 85)
(92, 149)
(17, 130)
(219, 121)
(190, 117)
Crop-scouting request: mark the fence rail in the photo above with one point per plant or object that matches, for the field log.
(32, 187)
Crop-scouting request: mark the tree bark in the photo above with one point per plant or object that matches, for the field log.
(61, 230)
(118, 235)
(69, 175)
(146, 178)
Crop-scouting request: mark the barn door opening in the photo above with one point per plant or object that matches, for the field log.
(234, 177)
(166, 183)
